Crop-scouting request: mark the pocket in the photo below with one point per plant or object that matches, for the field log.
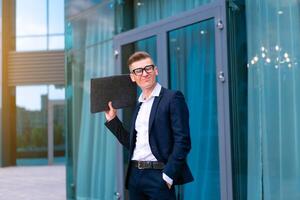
(164, 183)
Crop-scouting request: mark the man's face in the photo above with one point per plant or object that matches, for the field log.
(146, 80)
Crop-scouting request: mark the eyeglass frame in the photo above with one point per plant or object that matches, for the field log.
(144, 69)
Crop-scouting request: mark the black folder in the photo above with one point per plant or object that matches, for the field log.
(118, 89)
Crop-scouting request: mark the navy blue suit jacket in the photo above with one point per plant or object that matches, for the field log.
(169, 134)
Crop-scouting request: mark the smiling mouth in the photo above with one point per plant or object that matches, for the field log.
(146, 79)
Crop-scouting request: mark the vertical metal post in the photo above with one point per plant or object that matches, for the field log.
(223, 103)
(48, 25)
(119, 194)
(50, 133)
(162, 59)
(51, 104)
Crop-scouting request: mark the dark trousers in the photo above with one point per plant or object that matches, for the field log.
(148, 184)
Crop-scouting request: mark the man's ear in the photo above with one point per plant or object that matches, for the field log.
(156, 70)
(132, 77)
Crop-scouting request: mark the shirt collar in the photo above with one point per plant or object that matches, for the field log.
(155, 93)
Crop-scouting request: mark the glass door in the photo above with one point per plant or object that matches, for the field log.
(190, 55)
(192, 67)
(148, 45)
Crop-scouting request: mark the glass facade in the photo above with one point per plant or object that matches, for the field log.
(263, 54)
(39, 22)
(89, 39)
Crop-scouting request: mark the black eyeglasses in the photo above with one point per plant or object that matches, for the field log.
(139, 71)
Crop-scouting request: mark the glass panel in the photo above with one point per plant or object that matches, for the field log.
(132, 14)
(56, 92)
(95, 26)
(90, 157)
(32, 123)
(93, 152)
(31, 43)
(35, 27)
(56, 16)
(56, 42)
(31, 17)
(151, 11)
(31, 117)
(74, 7)
(274, 99)
(56, 97)
(193, 71)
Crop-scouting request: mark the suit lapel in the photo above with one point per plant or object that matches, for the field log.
(154, 109)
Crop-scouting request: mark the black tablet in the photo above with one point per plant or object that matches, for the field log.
(118, 89)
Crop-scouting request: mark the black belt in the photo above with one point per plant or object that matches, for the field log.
(148, 164)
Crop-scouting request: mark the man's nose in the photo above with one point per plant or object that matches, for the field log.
(144, 73)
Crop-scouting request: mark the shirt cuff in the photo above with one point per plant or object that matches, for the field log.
(167, 179)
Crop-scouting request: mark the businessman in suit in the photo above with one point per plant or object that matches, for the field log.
(159, 138)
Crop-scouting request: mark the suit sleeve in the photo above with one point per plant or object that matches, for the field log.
(116, 127)
(179, 120)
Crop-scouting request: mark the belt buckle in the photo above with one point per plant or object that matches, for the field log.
(140, 165)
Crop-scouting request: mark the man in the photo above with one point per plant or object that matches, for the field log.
(159, 138)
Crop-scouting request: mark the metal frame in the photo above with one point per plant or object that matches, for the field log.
(51, 104)
(216, 10)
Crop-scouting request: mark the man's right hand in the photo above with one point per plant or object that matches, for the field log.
(111, 113)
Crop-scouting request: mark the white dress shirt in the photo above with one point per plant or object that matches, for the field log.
(142, 150)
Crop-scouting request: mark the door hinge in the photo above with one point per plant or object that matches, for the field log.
(118, 195)
(116, 54)
(220, 25)
(221, 76)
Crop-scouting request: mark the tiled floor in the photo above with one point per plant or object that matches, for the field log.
(33, 183)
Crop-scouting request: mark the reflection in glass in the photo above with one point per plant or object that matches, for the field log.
(39, 25)
(36, 43)
(32, 104)
(31, 17)
(56, 42)
(56, 16)
(58, 129)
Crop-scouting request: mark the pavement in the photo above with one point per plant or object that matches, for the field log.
(33, 183)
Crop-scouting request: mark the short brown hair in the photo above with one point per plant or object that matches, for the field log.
(139, 55)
